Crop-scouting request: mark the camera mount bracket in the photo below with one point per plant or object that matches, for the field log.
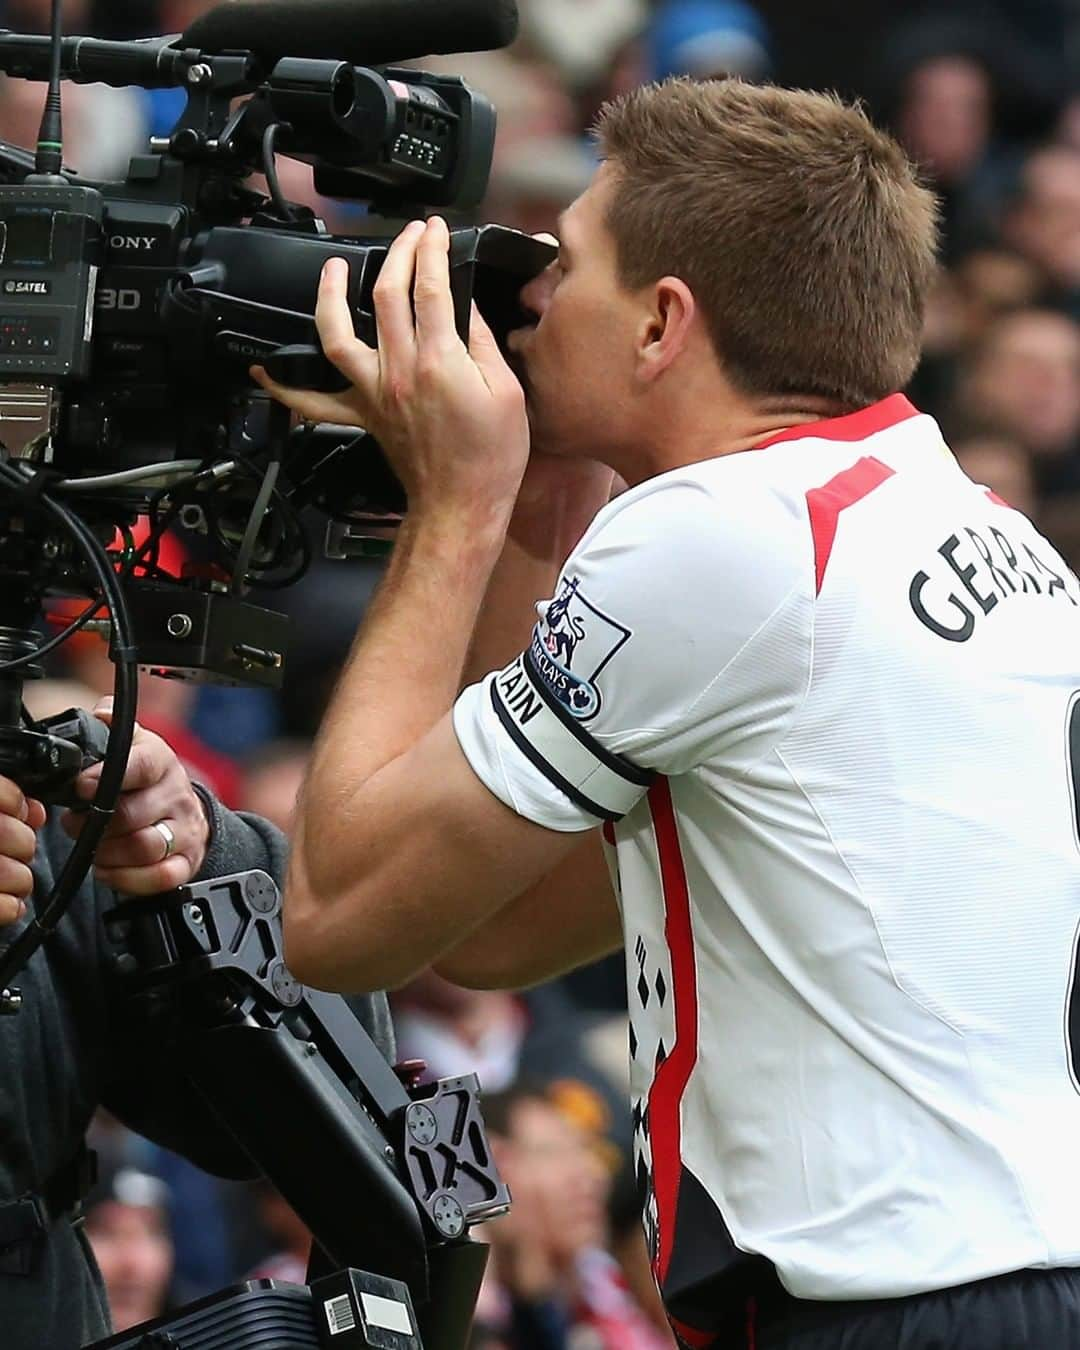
(299, 1085)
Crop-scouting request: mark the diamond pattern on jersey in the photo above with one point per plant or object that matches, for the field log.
(652, 1032)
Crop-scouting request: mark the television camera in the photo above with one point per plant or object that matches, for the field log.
(130, 315)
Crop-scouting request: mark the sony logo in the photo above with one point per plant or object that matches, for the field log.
(132, 243)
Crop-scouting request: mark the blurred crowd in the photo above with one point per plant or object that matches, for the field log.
(986, 97)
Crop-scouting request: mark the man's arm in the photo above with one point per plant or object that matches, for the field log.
(568, 919)
(488, 938)
(573, 907)
(400, 851)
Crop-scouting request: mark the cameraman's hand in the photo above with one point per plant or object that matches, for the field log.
(450, 418)
(132, 857)
(20, 818)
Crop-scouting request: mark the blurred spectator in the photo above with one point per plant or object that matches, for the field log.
(126, 1222)
(32, 16)
(1024, 378)
(533, 104)
(632, 1255)
(234, 721)
(993, 281)
(581, 40)
(963, 305)
(708, 39)
(1002, 465)
(1059, 520)
(531, 188)
(945, 116)
(555, 1285)
(289, 1261)
(457, 1031)
(271, 781)
(1069, 123)
(174, 16)
(1044, 222)
(102, 126)
(197, 1206)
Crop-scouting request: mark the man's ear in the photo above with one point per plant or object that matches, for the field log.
(666, 328)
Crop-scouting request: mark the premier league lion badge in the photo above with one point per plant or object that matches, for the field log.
(571, 645)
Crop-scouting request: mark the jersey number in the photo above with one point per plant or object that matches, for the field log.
(1072, 1006)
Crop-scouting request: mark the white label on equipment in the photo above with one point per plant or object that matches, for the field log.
(387, 1313)
(339, 1314)
(91, 299)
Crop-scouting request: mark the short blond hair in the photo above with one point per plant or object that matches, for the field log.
(800, 227)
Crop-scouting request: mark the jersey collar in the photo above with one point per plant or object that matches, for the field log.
(856, 426)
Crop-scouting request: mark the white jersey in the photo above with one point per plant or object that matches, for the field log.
(827, 695)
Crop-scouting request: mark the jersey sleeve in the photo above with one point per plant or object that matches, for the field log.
(679, 635)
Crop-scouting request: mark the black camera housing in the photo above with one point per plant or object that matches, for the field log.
(180, 278)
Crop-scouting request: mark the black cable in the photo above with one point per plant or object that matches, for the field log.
(269, 155)
(296, 525)
(291, 578)
(121, 734)
(51, 644)
(254, 526)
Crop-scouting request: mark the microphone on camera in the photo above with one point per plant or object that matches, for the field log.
(361, 32)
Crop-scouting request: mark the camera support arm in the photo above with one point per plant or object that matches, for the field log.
(388, 1179)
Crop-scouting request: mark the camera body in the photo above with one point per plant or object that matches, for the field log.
(132, 312)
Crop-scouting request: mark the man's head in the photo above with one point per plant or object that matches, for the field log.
(945, 116)
(127, 1224)
(1001, 464)
(770, 238)
(1024, 379)
(558, 1180)
(1044, 223)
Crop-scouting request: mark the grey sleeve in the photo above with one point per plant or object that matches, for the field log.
(240, 842)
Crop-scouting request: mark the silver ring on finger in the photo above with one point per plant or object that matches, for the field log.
(170, 839)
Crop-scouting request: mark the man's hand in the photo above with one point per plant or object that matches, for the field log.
(135, 856)
(450, 418)
(20, 818)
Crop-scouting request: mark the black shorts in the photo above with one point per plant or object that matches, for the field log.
(1029, 1310)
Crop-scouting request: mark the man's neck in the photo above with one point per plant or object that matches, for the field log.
(730, 431)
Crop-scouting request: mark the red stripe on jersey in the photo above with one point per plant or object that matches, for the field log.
(998, 501)
(671, 1078)
(826, 503)
(856, 426)
(700, 1340)
(751, 1324)
(608, 831)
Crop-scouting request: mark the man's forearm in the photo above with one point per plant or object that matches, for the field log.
(458, 601)
(401, 678)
